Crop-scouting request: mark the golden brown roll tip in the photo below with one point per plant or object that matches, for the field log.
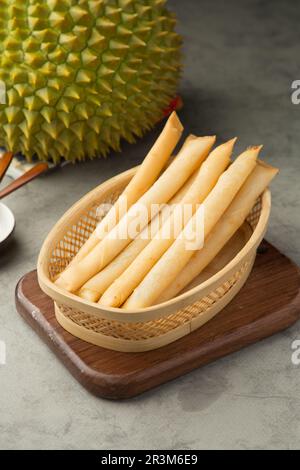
(255, 147)
(175, 121)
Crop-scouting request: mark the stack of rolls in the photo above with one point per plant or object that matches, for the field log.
(169, 223)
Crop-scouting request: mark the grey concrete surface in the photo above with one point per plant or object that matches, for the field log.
(240, 60)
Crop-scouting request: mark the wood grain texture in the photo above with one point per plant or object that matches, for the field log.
(268, 303)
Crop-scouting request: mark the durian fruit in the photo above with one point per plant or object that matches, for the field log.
(81, 75)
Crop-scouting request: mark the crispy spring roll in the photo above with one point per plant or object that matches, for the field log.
(97, 285)
(140, 183)
(227, 226)
(207, 177)
(188, 159)
(180, 252)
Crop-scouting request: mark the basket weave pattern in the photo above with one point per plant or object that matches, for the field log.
(151, 329)
(73, 239)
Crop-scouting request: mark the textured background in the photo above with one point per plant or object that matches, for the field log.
(240, 60)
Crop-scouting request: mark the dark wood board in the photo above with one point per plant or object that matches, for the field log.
(268, 303)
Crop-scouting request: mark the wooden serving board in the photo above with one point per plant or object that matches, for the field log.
(269, 302)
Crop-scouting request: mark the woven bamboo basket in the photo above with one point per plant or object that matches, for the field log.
(158, 325)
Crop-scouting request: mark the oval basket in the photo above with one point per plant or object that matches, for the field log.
(155, 326)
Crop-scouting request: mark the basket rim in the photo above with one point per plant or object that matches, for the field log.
(151, 343)
(59, 295)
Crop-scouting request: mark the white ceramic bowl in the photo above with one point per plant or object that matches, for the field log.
(7, 223)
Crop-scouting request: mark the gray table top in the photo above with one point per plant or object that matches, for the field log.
(240, 61)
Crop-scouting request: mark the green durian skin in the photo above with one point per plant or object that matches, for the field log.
(81, 75)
